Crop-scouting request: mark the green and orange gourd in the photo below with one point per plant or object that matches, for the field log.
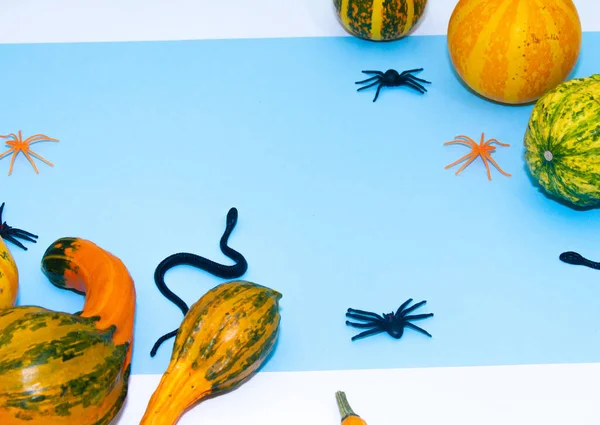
(225, 337)
(58, 368)
(379, 20)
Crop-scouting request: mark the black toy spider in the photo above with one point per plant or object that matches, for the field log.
(391, 78)
(11, 234)
(391, 323)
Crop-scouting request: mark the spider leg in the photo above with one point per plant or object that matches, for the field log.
(373, 72)
(473, 158)
(367, 333)
(412, 308)
(370, 85)
(471, 155)
(365, 318)
(499, 169)
(31, 161)
(3, 154)
(40, 158)
(22, 232)
(402, 307)
(362, 325)
(418, 329)
(410, 71)
(377, 93)
(10, 238)
(463, 140)
(365, 313)
(39, 138)
(412, 77)
(368, 79)
(12, 162)
(487, 157)
(497, 142)
(415, 86)
(17, 234)
(9, 136)
(487, 167)
(418, 316)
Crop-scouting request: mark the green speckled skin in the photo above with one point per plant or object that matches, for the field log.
(396, 18)
(58, 369)
(562, 141)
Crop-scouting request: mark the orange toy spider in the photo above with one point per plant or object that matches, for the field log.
(17, 145)
(483, 149)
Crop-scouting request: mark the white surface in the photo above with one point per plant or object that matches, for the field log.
(515, 395)
(39, 21)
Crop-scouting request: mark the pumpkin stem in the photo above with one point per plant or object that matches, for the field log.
(343, 405)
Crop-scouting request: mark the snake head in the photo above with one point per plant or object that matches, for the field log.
(232, 216)
(571, 257)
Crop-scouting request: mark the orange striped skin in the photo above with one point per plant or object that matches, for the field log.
(514, 51)
(379, 20)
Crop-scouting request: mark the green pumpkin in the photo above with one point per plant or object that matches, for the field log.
(562, 141)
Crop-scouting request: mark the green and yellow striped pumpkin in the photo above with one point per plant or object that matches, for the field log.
(225, 337)
(379, 20)
(58, 369)
(562, 141)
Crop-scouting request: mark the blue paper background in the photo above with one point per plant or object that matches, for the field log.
(343, 202)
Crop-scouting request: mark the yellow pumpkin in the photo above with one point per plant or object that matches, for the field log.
(514, 51)
(9, 273)
(9, 277)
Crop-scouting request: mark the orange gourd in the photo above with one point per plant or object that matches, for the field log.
(514, 51)
(85, 268)
(58, 368)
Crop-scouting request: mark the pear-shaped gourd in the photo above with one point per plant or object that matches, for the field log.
(225, 337)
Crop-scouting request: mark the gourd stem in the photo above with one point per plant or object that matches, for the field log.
(343, 405)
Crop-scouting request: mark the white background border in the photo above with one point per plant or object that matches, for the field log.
(40, 21)
(504, 395)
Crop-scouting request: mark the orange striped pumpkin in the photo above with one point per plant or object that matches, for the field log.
(514, 51)
(379, 20)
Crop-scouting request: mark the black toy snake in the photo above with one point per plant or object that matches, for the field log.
(576, 259)
(186, 258)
